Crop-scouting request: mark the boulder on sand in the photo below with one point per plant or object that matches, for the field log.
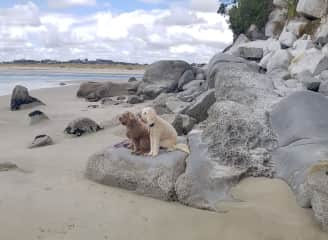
(168, 72)
(301, 124)
(41, 141)
(94, 91)
(148, 176)
(20, 98)
(80, 126)
(37, 116)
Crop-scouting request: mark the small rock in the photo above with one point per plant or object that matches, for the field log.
(41, 141)
(7, 166)
(81, 126)
(133, 99)
(132, 79)
(313, 86)
(37, 117)
(62, 84)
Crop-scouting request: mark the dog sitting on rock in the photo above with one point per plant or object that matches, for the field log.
(137, 132)
(162, 133)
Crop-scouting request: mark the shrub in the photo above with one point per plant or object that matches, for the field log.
(292, 4)
(247, 12)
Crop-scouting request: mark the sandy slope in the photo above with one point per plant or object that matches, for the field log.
(49, 198)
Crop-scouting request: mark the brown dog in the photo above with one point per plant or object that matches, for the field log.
(137, 132)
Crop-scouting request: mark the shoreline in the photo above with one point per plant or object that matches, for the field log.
(75, 68)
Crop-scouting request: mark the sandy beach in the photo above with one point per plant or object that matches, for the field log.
(48, 197)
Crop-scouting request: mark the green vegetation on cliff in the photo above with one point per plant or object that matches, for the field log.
(247, 12)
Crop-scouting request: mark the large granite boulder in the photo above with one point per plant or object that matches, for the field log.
(21, 98)
(313, 61)
(148, 176)
(151, 91)
(94, 91)
(226, 62)
(167, 72)
(235, 141)
(281, 3)
(279, 60)
(312, 8)
(301, 124)
(205, 182)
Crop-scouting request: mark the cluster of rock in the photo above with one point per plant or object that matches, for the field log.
(260, 109)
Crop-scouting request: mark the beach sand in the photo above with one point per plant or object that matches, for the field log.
(48, 197)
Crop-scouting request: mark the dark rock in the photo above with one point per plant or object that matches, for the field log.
(313, 86)
(81, 126)
(37, 116)
(41, 141)
(132, 79)
(20, 98)
(151, 91)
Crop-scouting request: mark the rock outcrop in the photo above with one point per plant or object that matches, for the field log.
(301, 124)
(21, 98)
(153, 177)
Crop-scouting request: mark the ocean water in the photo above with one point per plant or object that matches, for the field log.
(36, 79)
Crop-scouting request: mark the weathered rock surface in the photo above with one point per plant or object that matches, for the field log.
(41, 141)
(312, 8)
(287, 38)
(133, 99)
(81, 126)
(153, 177)
(20, 98)
(94, 91)
(198, 109)
(186, 77)
(323, 89)
(312, 61)
(205, 182)
(182, 123)
(279, 60)
(301, 124)
(226, 62)
(169, 103)
(37, 116)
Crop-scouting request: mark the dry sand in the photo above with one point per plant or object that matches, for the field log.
(49, 197)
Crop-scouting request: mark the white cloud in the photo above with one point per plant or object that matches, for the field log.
(136, 36)
(151, 1)
(70, 3)
(204, 5)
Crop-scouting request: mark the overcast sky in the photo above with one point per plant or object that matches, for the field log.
(122, 30)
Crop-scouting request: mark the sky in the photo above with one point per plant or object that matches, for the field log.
(140, 31)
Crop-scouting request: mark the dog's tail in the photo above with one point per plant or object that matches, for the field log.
(182, 147)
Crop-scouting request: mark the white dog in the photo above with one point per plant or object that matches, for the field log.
(162, 134)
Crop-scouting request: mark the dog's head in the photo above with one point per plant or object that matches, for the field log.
(127, 119)
(149, 115)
